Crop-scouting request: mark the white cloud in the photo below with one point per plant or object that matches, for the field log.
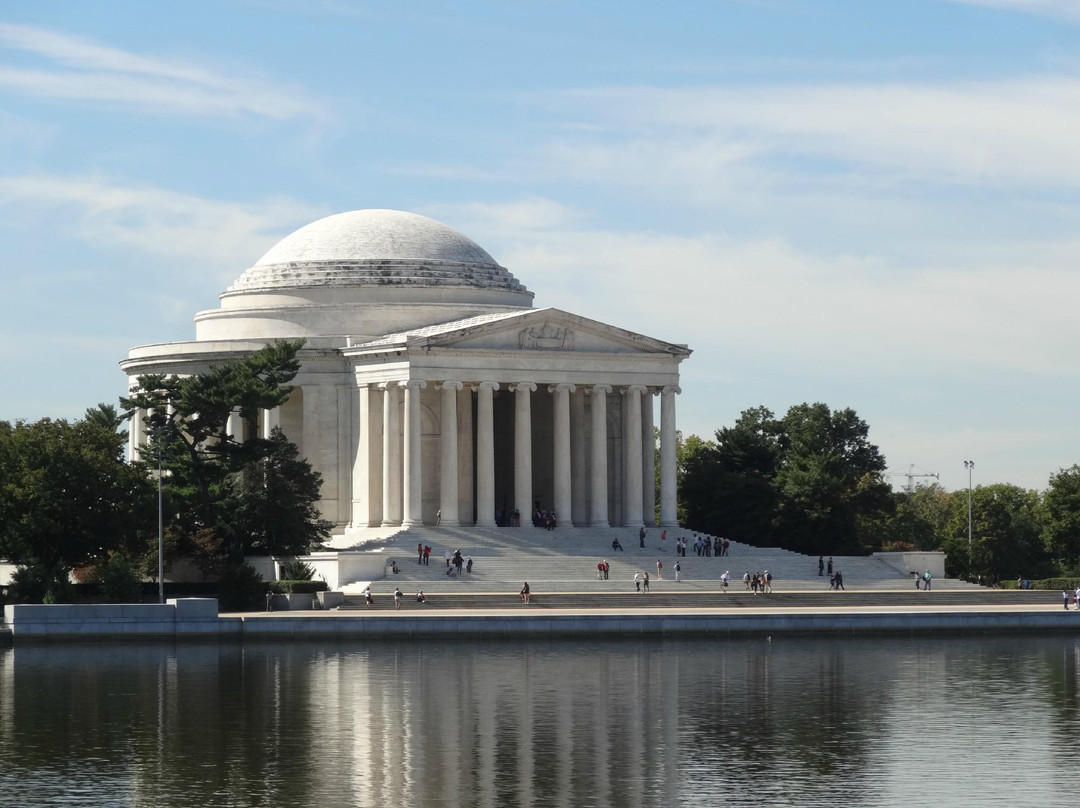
(1052, 8)
(85, 71)
(764, 299)
(223, 236)
(997, 132)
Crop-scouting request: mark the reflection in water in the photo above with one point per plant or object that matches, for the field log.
(620, 723)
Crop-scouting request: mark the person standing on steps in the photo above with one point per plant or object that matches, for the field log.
(468, 565)
(820, 566)
(678, 572)
(526, 593)
(645, 582)
(830, 566)
(637, 581)
(420, 553)
(659, 570)
(641, 537)
(926, 580)
(398, 594)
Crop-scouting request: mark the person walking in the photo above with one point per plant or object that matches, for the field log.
(724, 580)
(468, 565)
(678, 572)
(398, 594)
(641, 538)
(1065, 597)
(637, 581)
(645, 582)
(839, 580)
(820, 566)
(830, 565)
(420, 553)
(926, 580)
(607, 569)
(659, 570)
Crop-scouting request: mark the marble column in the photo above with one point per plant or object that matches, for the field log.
(235, 427)
(563, 481)
(448, 454)
(392, 510)
(523, 485)
(648, 460)
(271, 419)
(669, 516)
(633, 507)
(599, 516)
(414, 503)
(485, 454)
(137, 435)
(578, 469)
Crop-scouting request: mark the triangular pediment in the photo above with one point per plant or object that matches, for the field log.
(542, 330)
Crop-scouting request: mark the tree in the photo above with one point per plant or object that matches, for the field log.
(1006, 535)
(1061, 534)
(273, 502)
(229, 497)
(67, 499)
(807, 482)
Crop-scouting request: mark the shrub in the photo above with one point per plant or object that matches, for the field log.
(297, 570)
(305, 587)
(117, 580)
(37, 583)
(240, 588)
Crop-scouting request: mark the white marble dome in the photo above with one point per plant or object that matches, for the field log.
(376, 248)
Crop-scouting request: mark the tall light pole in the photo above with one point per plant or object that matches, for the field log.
(160, 535)
(970, 466)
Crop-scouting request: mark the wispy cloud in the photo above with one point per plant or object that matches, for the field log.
(1052, 8)
(81, 70)
(1019, 131)
(765, 299)
(224, 237)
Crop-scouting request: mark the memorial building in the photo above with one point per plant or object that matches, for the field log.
(432, 391)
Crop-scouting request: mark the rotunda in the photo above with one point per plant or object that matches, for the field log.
(431, 390)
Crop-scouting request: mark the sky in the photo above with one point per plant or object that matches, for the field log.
(868, 204)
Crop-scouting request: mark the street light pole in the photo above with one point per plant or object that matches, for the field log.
(160, 535)
(970, 466)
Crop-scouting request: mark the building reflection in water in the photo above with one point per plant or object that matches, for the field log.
(624, 723)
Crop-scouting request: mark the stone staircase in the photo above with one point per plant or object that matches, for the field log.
(564, 560)
(664, 599)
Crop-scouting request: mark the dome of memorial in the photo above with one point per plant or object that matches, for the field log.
(376, 248)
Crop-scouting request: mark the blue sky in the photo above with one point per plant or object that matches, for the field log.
(870, 204)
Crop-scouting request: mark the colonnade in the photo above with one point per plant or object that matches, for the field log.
(138, 434)
(402, 458)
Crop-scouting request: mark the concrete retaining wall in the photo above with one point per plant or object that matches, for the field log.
(198, 618)
(907, 563)
(192, 617)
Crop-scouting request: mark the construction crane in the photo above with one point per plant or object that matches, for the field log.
(911, 475)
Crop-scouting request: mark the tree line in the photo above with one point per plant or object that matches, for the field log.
(811, 481)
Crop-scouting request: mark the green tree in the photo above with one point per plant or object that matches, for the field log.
(227, 497)
(67, 498)
(1061, 534)
(1006, 541)
(273, 502)
(808, 481)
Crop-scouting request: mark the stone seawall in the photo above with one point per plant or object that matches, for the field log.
(197, 619)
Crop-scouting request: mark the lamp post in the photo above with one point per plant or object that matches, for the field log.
(970, 466)
(160, 536)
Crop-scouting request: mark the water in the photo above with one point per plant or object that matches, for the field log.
(787, 722)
